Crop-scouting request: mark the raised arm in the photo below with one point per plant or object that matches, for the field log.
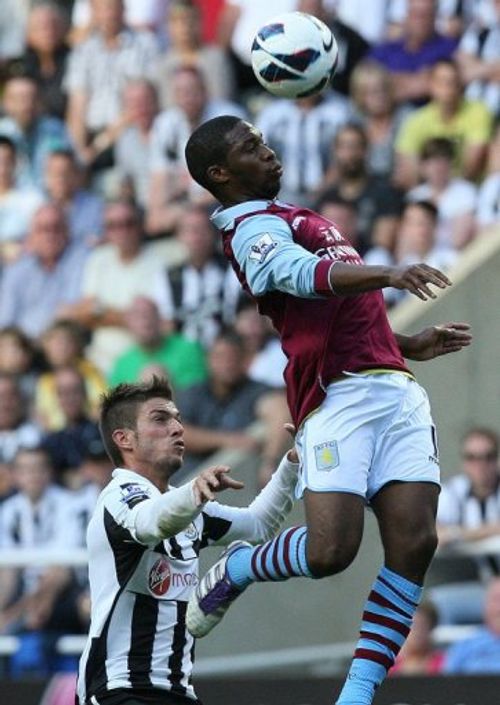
(262, 518)
(271, 260)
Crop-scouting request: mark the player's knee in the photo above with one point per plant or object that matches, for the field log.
(329, 560)
(419, 547)
(425, 543)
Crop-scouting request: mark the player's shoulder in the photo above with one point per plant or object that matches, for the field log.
(126, 488)
(227, 219)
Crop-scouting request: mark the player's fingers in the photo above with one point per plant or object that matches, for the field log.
(436, 276)
(231, 483)
(455, 325)
(419, 286)
(290, 428)
(204, 488)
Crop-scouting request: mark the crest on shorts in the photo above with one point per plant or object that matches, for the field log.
(326, 456)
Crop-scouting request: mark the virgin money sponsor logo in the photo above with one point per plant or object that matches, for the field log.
(159, 577)
(162, 578)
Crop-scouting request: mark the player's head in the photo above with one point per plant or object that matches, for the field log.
(140, 427)
(229, 158)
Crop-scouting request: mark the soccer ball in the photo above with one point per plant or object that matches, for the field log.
(294, 56)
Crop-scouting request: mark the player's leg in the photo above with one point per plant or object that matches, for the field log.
(325, 546)
(403, 486)
(406, 515)
(329, 444)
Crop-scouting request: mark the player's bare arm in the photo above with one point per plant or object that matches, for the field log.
(434, 341)
(350, 279)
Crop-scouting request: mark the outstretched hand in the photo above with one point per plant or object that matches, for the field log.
(416, 279)
(213, 480)
(439, 340)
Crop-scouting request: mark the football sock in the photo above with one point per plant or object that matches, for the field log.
(387, 619)
(282, 558)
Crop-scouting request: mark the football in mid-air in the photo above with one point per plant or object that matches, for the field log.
(294, 55)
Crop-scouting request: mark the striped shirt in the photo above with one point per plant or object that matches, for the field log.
(199, 301)
(140, 583)
(458, 506)
(303, 139)
(483, 43)
(101, 72)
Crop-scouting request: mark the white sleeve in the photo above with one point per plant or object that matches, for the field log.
(261, 520)
(152, 519)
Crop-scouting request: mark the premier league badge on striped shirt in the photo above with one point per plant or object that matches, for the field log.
(326, 456)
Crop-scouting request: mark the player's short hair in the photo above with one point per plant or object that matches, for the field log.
(438, 147)
(119, 409)
(207, 146)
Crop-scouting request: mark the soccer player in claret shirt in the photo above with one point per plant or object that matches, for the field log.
(365, 432)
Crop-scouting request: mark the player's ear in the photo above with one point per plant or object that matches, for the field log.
(123, 438)
(218, 174)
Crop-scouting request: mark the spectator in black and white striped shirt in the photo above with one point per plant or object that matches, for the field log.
(479, 59)
(98, 69)
(143, 541)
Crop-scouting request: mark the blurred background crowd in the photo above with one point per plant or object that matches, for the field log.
(111, 271)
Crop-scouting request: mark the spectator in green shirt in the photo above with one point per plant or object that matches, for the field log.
(182, 359)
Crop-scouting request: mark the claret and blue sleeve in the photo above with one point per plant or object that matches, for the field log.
(270, 258)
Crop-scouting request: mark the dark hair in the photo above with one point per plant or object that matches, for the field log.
(39, 450)
(19, 336)
(65, 154)
(127, 203)
(438, 147)
(119, 408)
(426, 206)
(207, 146)
(231, 337)
(352, 127)
(73, 328)
(427, 608)
(485, 432)
(330, 198)
(11, 146)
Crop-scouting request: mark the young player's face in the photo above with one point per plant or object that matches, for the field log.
(253, 166)
(159, 435)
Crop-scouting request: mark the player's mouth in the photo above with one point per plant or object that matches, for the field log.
(277, 171)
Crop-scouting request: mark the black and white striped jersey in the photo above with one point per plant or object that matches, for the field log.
(199, 301)
(139, 589)
(483, 43)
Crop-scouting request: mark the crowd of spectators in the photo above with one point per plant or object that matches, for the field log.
(110, 269)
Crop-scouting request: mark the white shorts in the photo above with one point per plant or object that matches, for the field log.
(371, 429)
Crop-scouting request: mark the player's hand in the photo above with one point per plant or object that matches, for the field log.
(416, 279)
(292, 454)
(213, 480)
(439, 340)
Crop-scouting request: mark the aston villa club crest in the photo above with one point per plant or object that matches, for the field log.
(327, 456)
(159, 577)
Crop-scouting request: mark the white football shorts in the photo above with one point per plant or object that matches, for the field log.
(371, 429)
